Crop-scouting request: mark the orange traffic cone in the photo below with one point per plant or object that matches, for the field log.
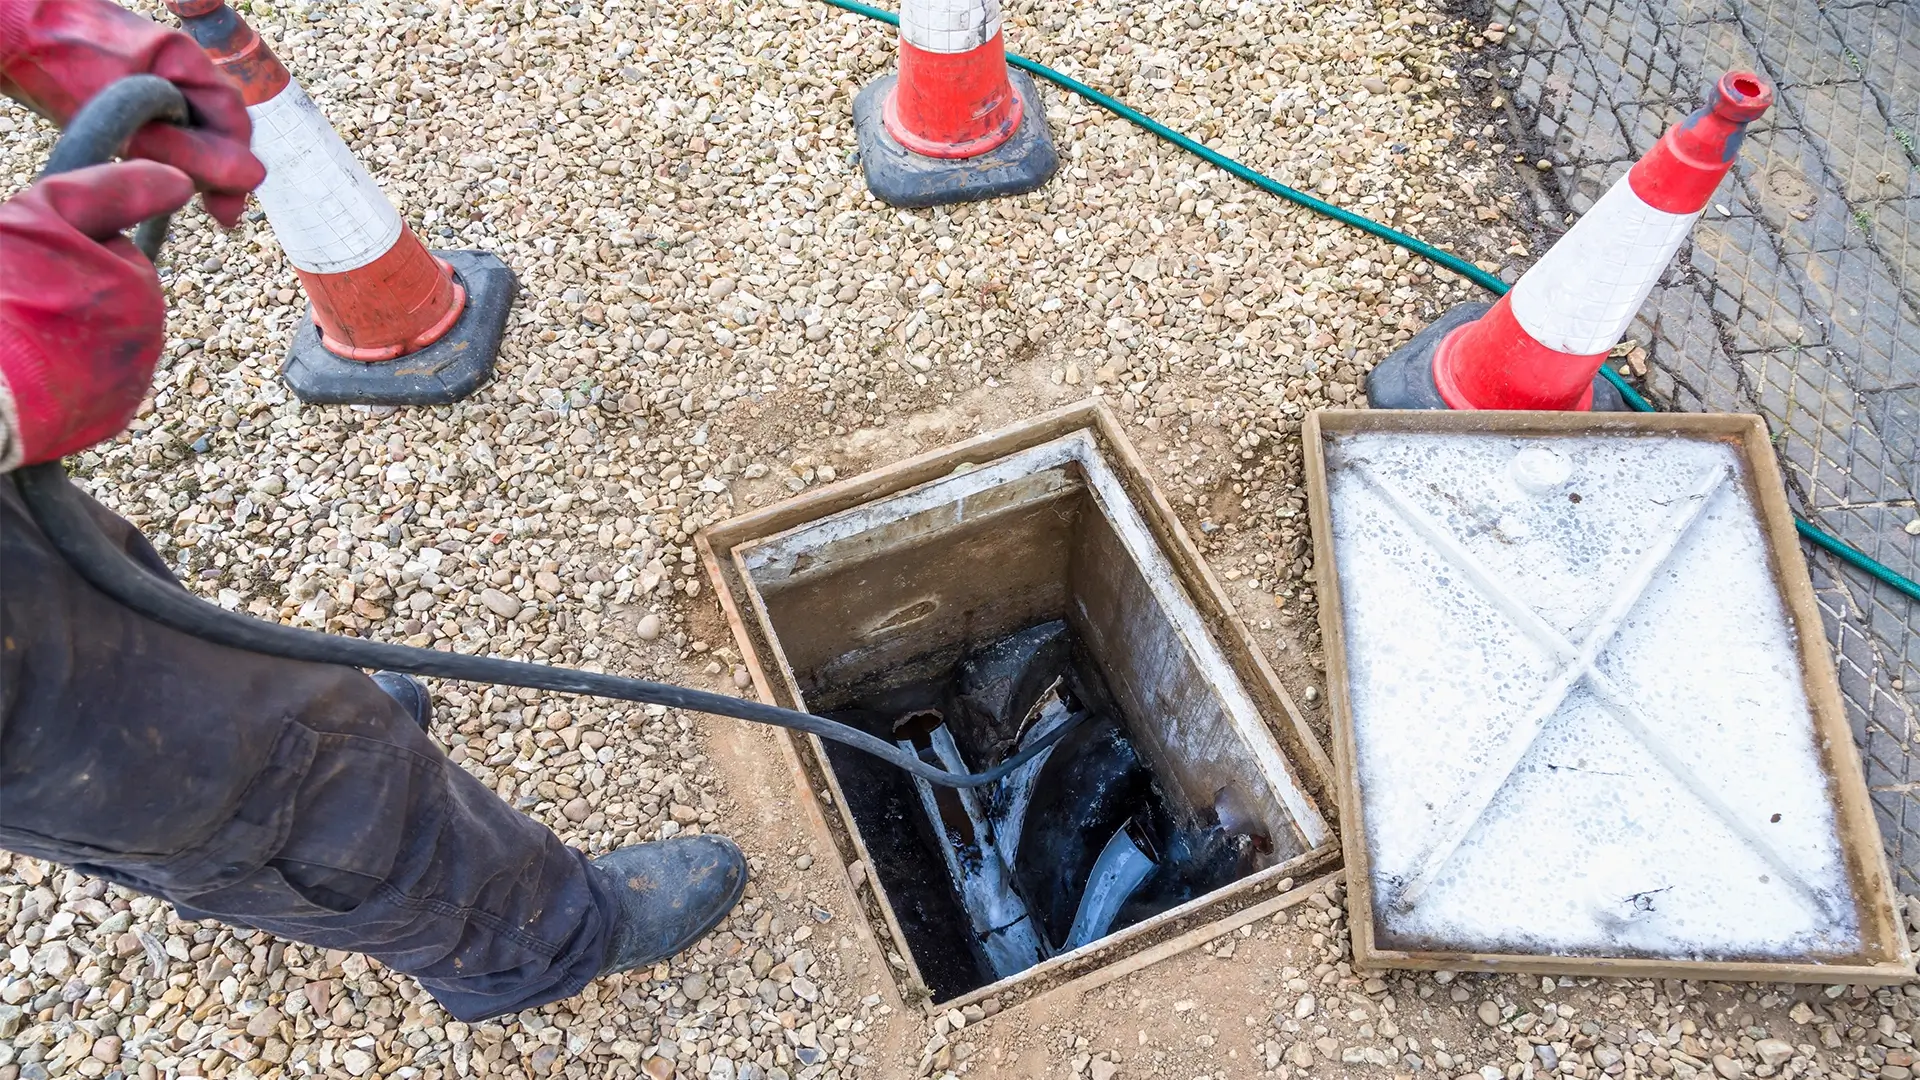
(1541, 345)
(390, 323)
(955, 124)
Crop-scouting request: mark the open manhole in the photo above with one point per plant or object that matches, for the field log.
(1584, 714)
(966, 602)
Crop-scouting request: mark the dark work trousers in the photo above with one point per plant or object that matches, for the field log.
(290, 797)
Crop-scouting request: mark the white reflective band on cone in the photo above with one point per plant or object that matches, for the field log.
(949, 26)
(327, 213)
(1584, 292)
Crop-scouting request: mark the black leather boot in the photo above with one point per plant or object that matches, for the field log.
(671, 893)
(410, 692)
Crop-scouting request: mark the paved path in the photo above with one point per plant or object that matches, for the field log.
(1799, 297)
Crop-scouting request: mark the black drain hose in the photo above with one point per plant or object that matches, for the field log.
(104, 124)
(95, 135)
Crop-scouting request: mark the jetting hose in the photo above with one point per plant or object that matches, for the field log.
(94, 135)
(1439, 256)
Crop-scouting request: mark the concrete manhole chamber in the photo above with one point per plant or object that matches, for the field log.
(967, 601)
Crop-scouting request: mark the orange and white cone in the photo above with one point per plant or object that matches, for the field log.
(377, 293)
(1541, 345)
(954, 99)
(955, 123)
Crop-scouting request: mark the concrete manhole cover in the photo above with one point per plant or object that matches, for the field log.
(1575, 707)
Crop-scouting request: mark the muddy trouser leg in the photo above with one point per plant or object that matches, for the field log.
(293, 798)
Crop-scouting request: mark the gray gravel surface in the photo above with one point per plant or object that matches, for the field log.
(714, 316)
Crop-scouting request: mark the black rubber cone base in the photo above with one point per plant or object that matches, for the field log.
(1405, 379)
(900, 177)
(443, 372)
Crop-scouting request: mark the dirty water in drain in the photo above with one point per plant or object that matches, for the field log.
(1081, 841)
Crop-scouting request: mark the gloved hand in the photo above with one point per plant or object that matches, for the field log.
(55, 55)
(82, 319)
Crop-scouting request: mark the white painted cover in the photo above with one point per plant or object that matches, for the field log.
(327, 213)
(1581, 296)
(1579, 727)
(949, 26)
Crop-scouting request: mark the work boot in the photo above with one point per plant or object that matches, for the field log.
(410, 692)
(670, 894)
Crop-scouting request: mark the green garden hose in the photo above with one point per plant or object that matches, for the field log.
(1439, 256)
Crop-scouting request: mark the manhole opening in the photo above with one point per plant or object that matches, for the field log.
(1086, 841)
(968, 616)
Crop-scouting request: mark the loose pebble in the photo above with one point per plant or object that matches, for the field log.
(714, 316)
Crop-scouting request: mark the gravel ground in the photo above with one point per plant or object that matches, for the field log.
(1278, 998)
(715, 315)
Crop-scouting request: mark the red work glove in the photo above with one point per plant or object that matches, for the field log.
(82, 319)
(55, 55)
